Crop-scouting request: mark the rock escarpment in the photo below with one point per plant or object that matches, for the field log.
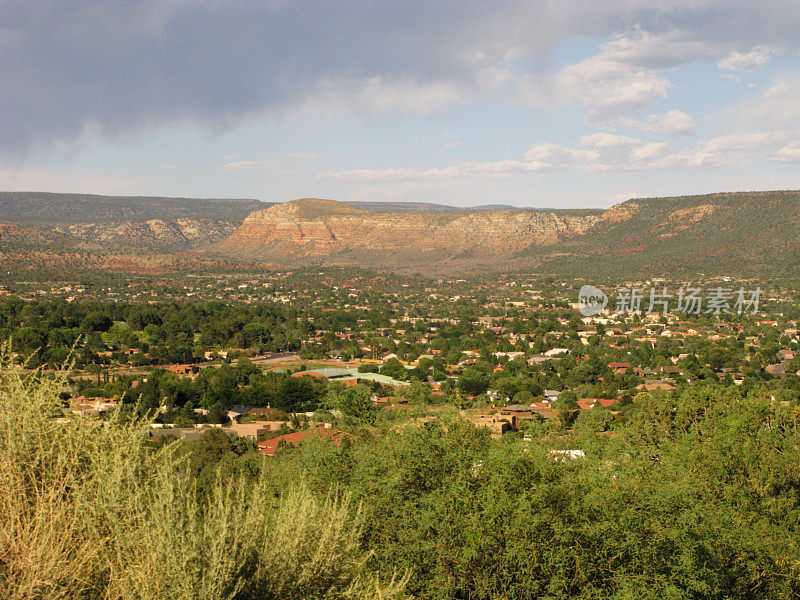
(173, 234)
(313, 231)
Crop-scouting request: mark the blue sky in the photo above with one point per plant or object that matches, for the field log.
(544, 104)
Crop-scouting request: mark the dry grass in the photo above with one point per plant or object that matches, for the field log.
(88, 511)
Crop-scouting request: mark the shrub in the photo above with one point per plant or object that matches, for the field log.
(89, 510)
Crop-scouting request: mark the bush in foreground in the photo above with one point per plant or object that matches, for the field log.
(88, 511)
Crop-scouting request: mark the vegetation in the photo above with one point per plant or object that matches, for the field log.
(474, 439)
(745, 234)
(51, 208)
(166, 332)
(695, 496)
(88, 510)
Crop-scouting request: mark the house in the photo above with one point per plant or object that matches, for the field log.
(325, 373)
(660, 384)
(236, 412)
(543, 412)
(334, 436)
(590, 403)
(538, 359)
(183, 433)
(91, 407)
(516, 408)
(255, 429)
(496, 424)
(183, 369)
(669, 370)
(778, 370)
(315, 374)
(556, 352)
(510, 355)
(551, 395)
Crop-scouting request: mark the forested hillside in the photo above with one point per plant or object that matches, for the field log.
(52, 208)
(736, 234)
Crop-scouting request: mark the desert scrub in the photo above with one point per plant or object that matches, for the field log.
(89, 511)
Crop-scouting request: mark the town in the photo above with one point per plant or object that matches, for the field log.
(267, 358)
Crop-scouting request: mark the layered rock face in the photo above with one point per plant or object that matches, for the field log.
(177, 234)
(312, 230)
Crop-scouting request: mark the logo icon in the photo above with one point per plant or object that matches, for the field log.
(591, 300)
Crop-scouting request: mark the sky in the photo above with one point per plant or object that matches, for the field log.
(563, 104)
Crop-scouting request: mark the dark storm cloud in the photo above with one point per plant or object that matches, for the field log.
(113, 67)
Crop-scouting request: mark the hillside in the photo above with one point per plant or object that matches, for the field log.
(742, 234)
(739, 234)
(66, 223)
(324, 231)
(55, 208)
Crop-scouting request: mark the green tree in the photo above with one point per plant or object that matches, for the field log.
(473, 382)
(355, 403)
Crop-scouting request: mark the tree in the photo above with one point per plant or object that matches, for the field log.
(567, 399)
(28, 339)
(355, 403)
(96, 321)
(473, 382)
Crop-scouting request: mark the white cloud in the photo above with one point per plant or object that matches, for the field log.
(788, 154)
(664, 50)
(479, 170)
(35, 180)
(623, 78)
(731, 149)
(731, 77)
(674, 122)
(554, 157)
(774, 108)
(749, 61)
(385, 95)
(138, 66)
(649, 152)
(606, 88)
(242, 165)
(605, 152)
(602, 139)
(301, 155)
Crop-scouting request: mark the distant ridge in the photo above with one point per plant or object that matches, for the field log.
(752, 234)
(737, 234)
(314, 231)
(427, 207)
(52, 207)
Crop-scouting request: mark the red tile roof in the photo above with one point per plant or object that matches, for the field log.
(269, 447)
